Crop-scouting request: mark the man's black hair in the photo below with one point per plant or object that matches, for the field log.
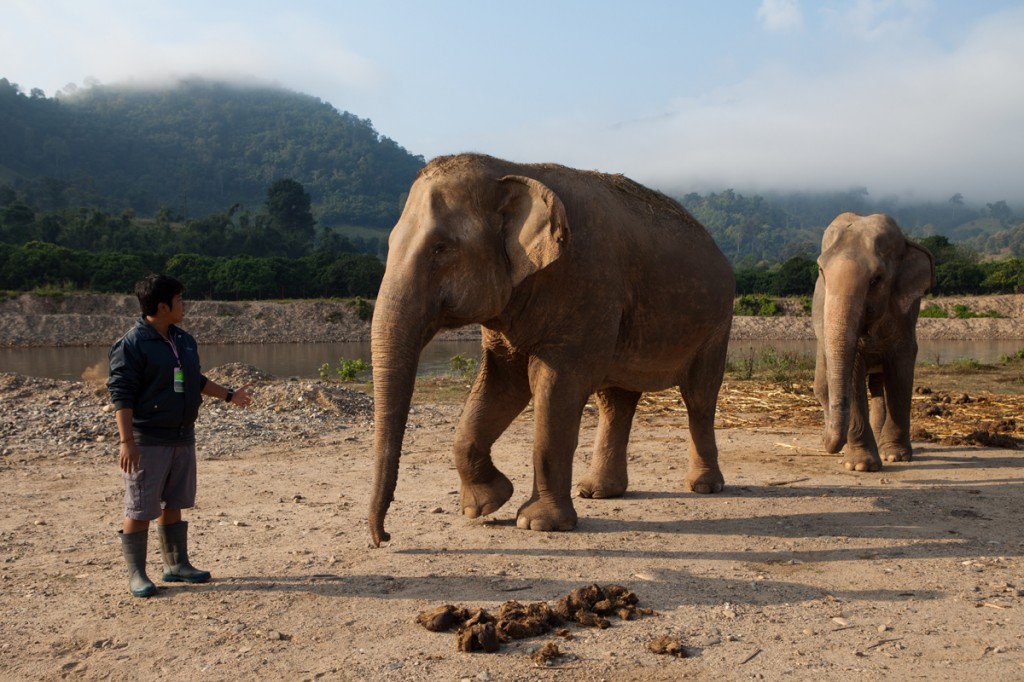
(154, 289)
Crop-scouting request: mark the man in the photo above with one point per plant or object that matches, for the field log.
(156, 386)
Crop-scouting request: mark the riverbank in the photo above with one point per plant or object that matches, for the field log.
(31, 320)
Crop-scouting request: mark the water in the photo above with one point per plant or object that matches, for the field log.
(279, 359)
(304, 360)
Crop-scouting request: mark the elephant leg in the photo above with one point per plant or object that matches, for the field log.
(558, 400)
(501, 391)
(876, 396)
(861, 452)
(607, 475)
(700, 393)
(894, 440)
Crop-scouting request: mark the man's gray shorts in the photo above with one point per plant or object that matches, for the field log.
(166, 477)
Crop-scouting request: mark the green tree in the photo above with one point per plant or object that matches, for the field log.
(245, 277)
(1005, 277)
(16, 221)
(958, 277)
(288, 206)
(796, 277)
(114, 272)
(754, 281)
(195, 271)
(38, 264)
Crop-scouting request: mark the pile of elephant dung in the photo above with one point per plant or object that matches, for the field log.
(668, 645)
(958, 419)
(480, 631)
(987, 420)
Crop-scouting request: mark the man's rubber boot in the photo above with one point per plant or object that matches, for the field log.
(133, 546)
(174, 548)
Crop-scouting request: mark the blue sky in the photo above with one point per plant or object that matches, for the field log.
(920, 98)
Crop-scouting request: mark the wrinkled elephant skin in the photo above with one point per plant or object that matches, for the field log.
(584, 284)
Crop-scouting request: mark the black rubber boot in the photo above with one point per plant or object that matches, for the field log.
(133, 546)
(174, 547)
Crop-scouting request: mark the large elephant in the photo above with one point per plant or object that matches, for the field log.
(866, 301)
(583, 283)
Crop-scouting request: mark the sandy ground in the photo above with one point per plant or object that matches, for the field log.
(798, 570)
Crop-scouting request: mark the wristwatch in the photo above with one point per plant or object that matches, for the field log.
(230, 395)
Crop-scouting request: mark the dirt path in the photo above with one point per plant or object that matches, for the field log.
(800, 570)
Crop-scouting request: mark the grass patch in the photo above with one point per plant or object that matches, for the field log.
(961, 311)
(448, 390)
(933, 311)
(772, 365)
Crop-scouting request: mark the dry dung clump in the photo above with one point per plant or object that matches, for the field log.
(985, 439)
(668, 645)
(547, 653)
(480, 631)
(442, 618)
(960, 419)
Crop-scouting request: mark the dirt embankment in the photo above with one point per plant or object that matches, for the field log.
(91, 319)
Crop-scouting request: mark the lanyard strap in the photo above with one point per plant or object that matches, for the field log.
(174, 350)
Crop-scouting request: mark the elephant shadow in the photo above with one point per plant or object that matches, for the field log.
(669, 589)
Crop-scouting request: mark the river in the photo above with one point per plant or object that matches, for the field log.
(304, 360)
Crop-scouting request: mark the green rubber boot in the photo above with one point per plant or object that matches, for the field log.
(133, 547)
(174, 548)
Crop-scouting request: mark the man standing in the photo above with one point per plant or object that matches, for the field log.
(156, 386)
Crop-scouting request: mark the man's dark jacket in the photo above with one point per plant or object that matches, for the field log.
(142, 378)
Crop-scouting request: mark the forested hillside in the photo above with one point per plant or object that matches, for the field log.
(255, 192)
(196, 149)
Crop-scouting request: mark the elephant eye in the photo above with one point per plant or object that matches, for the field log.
(439, 248)
(875, 281)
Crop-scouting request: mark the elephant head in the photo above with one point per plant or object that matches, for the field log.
(468, 236)
(870, 283)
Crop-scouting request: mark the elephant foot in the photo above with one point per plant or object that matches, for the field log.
(897, 453)
(545, 515)
(601, 487)
(862, 461)
(706, 481)
(481, 499)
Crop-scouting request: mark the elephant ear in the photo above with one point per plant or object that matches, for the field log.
(534, 225)
(916, 276)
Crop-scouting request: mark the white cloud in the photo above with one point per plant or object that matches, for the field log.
(780, 15)
(877, 20)
(926, 127)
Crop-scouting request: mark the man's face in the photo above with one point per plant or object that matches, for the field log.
(175, 314)
(177, 309)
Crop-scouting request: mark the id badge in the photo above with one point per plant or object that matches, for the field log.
(179, 380)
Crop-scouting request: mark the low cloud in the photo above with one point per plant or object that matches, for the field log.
(924, 127)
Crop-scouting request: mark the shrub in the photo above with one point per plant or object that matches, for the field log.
(759, 305)
(362, 308)
(1016, 357)
(463, 366)
(346, 370)
(932, 310)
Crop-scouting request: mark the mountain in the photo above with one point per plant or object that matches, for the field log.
(198, 148)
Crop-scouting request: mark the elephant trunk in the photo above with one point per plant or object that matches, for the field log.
(843, 319)
(398, 336)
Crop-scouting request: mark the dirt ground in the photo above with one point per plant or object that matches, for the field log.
(798, 570)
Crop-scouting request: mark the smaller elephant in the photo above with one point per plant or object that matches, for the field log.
(866, 301)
